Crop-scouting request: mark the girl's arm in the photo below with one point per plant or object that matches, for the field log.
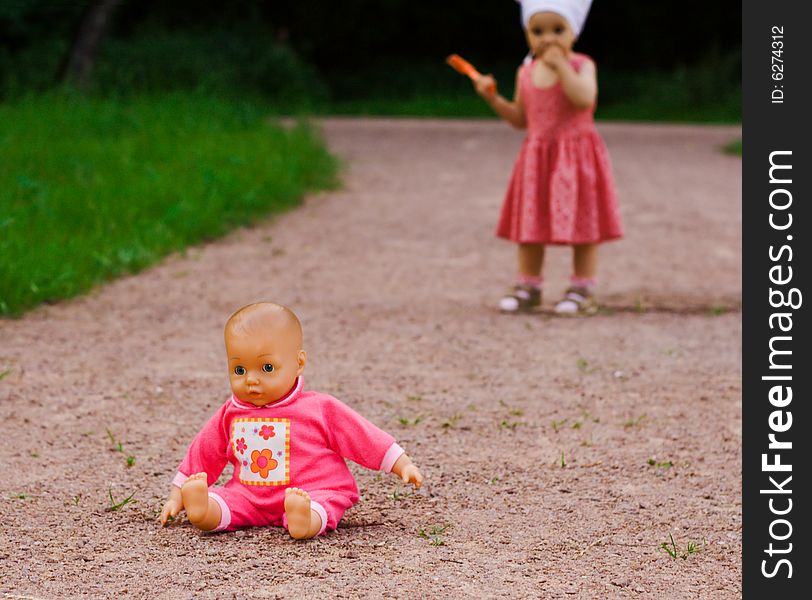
(512, 112)
(581, 87)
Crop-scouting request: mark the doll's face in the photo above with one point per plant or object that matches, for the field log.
(545, 28)
(264, 362)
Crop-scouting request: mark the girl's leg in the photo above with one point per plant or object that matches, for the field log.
(526, 295)
(585, 262)
(531, 260)
(579, 298)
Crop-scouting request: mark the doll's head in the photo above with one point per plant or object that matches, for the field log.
(264, 349)
(553, 22)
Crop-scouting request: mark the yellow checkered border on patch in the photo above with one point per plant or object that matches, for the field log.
(287, 449)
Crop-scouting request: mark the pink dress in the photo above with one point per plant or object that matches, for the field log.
(561, 190)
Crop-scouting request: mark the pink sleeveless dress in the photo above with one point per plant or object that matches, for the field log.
(561, 190)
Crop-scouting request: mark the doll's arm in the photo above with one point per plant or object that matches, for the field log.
(207, 453)
(407, 471)
(512, 112)
(352, 436)
(580, 87)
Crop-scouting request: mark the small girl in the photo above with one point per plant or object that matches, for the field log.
(561, 190)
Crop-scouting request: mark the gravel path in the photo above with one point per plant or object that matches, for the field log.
(535, 433)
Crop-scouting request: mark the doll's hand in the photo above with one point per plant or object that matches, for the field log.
(554, 56)
(172, 507)
(485, 86)
(411, 474)
(407, 471)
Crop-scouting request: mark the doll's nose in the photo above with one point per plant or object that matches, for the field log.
(251, 379)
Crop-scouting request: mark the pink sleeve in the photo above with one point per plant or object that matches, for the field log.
(207, 451)
(353, 437)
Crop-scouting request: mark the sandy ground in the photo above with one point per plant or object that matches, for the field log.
(535, 433)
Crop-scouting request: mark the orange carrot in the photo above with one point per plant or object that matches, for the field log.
(459, 64)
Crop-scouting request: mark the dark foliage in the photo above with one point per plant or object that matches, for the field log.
(357, 49)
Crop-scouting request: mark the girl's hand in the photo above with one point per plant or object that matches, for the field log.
(485, 86)
(554, 57)
(172, 507)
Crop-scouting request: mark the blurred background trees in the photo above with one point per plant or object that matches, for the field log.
(664, 59)
(133, 128)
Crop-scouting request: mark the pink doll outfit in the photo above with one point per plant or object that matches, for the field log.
(561, 190)
(299, 441)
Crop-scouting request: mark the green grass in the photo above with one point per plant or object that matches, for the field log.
(433, 534)
(734, 148)
(114, 506)
(641, 108)
(634, 422)
(660, 465)
(94, 188)
(676, 552)
(406, 421)
(397, 495)
(116, 445)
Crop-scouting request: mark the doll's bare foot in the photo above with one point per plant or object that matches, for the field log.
(195, 493)
(303, 522)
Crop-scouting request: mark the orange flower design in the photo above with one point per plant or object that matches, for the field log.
(263, 462)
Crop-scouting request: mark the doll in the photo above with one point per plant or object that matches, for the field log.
(561, 190)
(287, 445)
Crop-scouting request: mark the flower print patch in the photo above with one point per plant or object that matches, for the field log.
(262, 447)
(263, 462)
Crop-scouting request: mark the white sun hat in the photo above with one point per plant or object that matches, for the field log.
(574, 11)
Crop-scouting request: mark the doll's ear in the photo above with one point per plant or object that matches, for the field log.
(302, 359)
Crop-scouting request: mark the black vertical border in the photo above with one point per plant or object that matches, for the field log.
(768, 127)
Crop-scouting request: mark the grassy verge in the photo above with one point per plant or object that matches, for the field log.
(453, 106)
(734, 148)
(91, 189)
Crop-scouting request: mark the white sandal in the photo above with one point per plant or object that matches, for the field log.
(522, 298)
(577, 301)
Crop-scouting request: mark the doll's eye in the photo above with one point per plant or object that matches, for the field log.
(537, 31)
(559, 30)
(267, 367)
(239, 370)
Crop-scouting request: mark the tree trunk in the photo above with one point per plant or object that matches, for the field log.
(78, 64)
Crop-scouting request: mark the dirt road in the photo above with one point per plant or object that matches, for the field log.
(536, 434)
